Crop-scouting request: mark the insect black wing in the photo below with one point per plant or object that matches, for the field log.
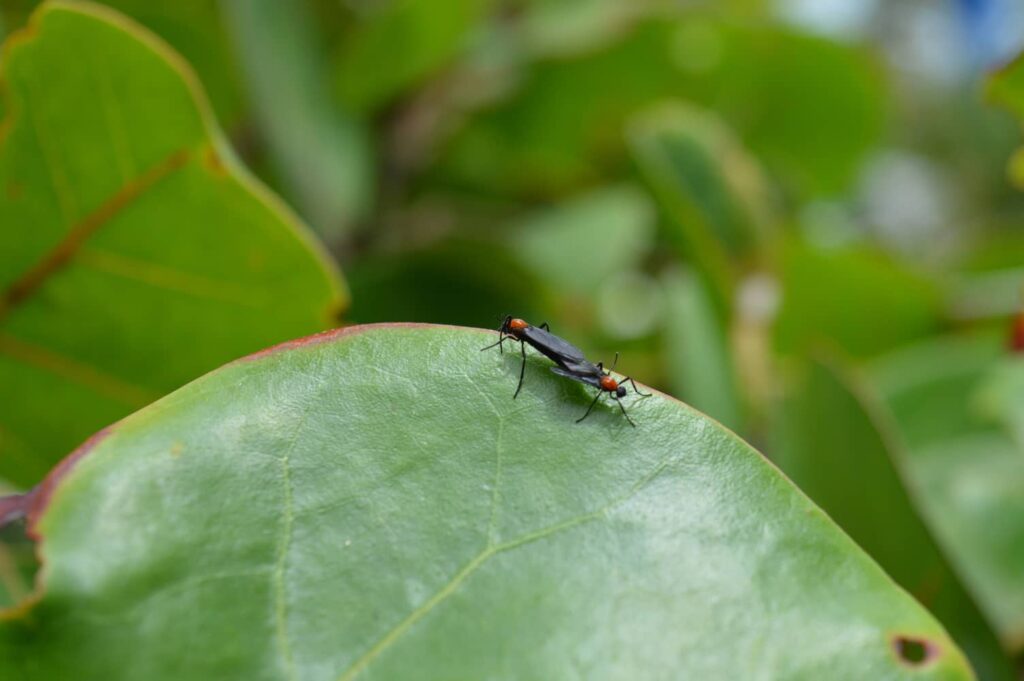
(588, 379)
(557, 349)
(582, 368)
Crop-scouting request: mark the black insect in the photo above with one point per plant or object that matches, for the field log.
(560, 351)
(596, 376)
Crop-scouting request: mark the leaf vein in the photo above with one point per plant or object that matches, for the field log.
(29, 282)
(480, 559)
(104, 384)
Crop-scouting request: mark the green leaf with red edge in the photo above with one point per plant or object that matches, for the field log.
(127, 233)
(372, 503)
(838, 446)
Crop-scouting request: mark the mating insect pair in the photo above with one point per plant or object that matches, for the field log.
(570, 360)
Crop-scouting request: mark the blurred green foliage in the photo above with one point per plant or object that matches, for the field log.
(717, 191)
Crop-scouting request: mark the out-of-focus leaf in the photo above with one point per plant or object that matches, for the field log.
(17, 557)
(193, 28)
(566, 27)
(1006, 87)
(1000, 397)
(690, 152)
(969, 474)
(576, 245)
(857, 299)
(809, 107)
(836, 446)
(398, 44)
(135, 253)
(697, 350)
(711, 192)
(18, 564)
(385, 510)
(990, 281)
(928, 386)
(322, 154)
(461, 281)
(563, 128)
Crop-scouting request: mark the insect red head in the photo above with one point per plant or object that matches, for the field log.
(517, 325)
(608, 383)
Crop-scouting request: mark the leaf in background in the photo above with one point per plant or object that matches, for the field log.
(836, 446)
(373, 504)
(969, 473)
(567, 27)
(810, 108)
(1000, 396)
(135, 254)
(563, 128)
(398, 44)
(691, 152)
(697, 350)
(193, 28)
(1005, 86)
(323, 155)
(470, 282)
(17, 557)
(712, 193)
(989, 282)
(855, 298)
(577, 244)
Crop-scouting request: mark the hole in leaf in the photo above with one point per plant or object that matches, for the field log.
(915, 652)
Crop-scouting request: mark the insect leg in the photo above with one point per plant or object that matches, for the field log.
(522, 369)
(624, 412)
(635, 389)
(596, 398)
(501, 340)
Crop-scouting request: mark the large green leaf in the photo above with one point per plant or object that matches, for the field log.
(372, 503)
(135, 253)
(949, 398)
(839, 448)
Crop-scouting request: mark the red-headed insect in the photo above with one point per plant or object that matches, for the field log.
(558, 350)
